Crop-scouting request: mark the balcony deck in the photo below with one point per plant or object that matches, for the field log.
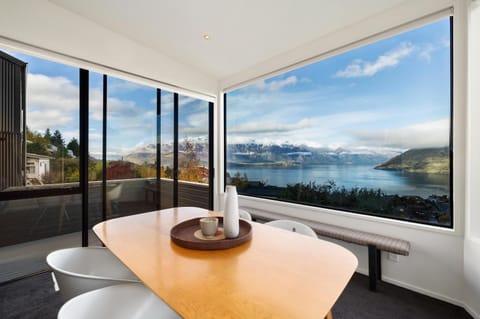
(31, 228)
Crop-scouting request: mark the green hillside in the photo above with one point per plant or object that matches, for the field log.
(422, 160)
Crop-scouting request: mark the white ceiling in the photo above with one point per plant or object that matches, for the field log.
(243, 33)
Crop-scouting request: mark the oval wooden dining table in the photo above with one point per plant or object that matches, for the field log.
(277, 274)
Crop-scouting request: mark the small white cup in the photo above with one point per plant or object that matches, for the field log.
(209, 226)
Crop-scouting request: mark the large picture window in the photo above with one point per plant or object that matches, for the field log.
(366, 131)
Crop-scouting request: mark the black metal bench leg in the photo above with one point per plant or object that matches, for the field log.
(379, 265)
(373, 269)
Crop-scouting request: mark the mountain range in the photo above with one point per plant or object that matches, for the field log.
(424, 160)
(147, 153)
(293, 155)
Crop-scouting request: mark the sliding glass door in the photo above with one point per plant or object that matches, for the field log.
(193, 152)
(78, 147)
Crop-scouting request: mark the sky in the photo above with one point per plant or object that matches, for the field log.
(384, 95)
(53, 102)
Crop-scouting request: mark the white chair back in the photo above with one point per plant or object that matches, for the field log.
(243, 214)
(123, 301)
(81, 269)
(293, 226)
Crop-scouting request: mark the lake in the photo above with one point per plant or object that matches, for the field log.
(390, 182)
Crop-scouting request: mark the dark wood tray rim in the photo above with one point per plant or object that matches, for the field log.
(182, 235)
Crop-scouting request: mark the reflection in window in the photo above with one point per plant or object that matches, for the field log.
(366, 131)
(193, 140)
(166, 149)
(131, 146)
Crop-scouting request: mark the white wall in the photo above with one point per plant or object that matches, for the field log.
(44, 25)
(472, 235)
(435, 265)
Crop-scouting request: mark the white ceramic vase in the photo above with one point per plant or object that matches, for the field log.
(230, 215)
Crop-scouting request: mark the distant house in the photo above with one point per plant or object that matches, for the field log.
(37, 166)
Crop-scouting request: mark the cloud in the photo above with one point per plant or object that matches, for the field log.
(360, 68)
(185, 100)
(199, 119)
(43, 119)
(95, 104)
(262, 127)
(121, 108)
(433, 134)
(426, 50)
(320, 125)
(277, 85)
(52, 92)
(122, 86)
(52, 102)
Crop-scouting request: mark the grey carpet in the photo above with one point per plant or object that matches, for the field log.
(30, 298)
(35, 297)
(390, 302)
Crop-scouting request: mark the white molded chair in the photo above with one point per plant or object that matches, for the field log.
(293, 226)
(126, 301)
(243, 214)
(81, 269)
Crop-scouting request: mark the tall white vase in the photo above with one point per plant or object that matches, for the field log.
(230, 215)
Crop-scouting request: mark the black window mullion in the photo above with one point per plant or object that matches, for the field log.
(451, 123)
(211, 169)
(175, 149)
(104, 148)
(159, 141)
(224, 141)
(84, 152)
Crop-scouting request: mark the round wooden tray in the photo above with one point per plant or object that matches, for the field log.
(182, 234)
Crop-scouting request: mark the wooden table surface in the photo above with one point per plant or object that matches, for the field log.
(278, 274)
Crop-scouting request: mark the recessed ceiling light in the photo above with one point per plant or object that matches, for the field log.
(206, 37)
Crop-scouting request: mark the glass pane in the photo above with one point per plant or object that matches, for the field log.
(131, 147)
(166, 150)
(95, 169)
(193, 152)
(32, 228)
(39, 144)
(366, 131)
(45, 150)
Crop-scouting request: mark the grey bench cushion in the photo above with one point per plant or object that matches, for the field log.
(385, 243)
(389, 244)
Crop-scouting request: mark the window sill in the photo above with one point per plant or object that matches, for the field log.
(272, 209)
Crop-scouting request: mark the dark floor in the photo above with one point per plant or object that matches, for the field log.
(390, 302)
(35, 298)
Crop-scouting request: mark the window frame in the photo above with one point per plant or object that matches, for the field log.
(336, 52)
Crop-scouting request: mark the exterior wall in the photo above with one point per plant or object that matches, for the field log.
(40, 165)
(12, 165)
(44, 167)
